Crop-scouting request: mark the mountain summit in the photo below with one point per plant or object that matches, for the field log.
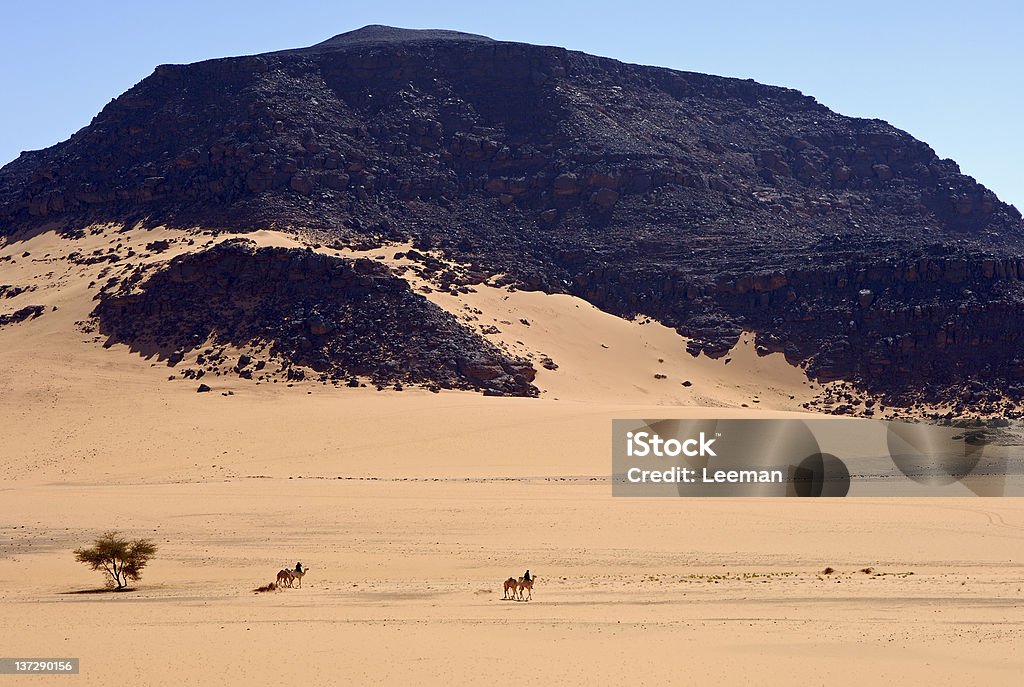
(711, 204)
(378, 35)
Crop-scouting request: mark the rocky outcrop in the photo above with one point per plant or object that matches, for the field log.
(911, 329)
(342, 319)
(29, 312)
(10, 291)
(713, 204)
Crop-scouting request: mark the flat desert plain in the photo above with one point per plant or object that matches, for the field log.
(409, 509)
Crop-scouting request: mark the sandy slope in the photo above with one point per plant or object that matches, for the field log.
(410, 508)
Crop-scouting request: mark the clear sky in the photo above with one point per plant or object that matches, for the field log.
(950, 73)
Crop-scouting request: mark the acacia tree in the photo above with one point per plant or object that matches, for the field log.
(120, 559)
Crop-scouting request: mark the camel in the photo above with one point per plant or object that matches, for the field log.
(296, 575)
(510, 588)
(527, 585)
(285, 578)
(288, 577)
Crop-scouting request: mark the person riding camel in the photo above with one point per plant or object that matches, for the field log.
(298, 567)
(526, 577)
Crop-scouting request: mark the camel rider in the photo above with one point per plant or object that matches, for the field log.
(298, 567)
(527, 578)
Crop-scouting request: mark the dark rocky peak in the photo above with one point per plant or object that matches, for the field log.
(715, 205)
(379, 35)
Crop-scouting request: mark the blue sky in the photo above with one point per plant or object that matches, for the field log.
(951, 73)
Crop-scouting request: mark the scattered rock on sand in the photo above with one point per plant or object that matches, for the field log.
(28, 312)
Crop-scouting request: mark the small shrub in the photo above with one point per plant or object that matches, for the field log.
(120, 560)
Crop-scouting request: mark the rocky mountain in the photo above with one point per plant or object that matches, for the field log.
(714, 205)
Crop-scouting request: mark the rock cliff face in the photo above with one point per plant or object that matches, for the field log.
(340, 318)
(713, 204)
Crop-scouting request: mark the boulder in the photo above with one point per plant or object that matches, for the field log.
(605, 198)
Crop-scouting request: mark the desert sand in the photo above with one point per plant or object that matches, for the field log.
(410, 508)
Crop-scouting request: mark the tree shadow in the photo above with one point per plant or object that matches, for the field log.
(100, 590)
